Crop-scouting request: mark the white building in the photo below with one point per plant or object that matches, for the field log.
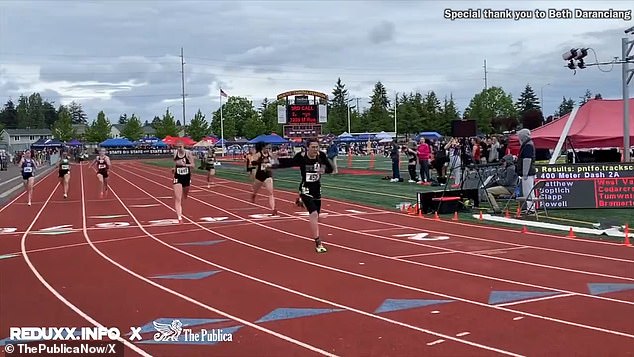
(22, 139)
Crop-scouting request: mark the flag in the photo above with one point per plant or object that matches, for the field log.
(222, 93)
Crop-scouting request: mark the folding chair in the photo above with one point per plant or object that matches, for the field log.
(537, 199)
(513, 195)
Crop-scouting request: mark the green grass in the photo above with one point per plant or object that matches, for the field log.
(373, 191)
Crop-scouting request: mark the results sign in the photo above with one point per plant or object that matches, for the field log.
(595, 185)
(303, 114)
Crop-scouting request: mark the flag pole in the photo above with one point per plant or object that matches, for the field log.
(222, 126)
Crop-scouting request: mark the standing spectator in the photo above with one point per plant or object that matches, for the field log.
(494, 150)
(526, 167)
(411, 163)
(395, 156)
(476, 150)
(455, 161)
(424, 154)
(333, 152)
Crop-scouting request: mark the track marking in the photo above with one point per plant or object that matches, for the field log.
(435, 342)
(61, 298)
(387, 282)
(463, 334)
(534, 300)
(8, 230)
(351, 309)
(518, 318)
(175, 293)
(494, 251)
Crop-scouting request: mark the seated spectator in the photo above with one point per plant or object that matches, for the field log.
(503, 183)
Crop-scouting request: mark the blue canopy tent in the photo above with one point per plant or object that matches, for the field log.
(117, 142)
(428, 135)
(47, 143)
(159, 144)
(268, 139)
(221, 142)
(74, 142)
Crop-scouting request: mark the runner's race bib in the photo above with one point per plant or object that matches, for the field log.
(65, 167)
(312, 177)
(101, 166)
(182, 170)
(28, 169)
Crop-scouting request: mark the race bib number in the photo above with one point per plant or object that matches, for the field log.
(175, 181)
(182, 170)
(65, 167)
(101, 166)
(28, 169)
(312, 177)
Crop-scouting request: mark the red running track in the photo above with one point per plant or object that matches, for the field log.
(104, 270)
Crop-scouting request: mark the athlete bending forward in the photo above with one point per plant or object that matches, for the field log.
(312, 164)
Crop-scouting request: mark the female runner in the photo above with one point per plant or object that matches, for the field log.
(249, 159)
(262, 161)
(312, 164)
(183, 163)
(64, 173)
(28, 166)
(103, 165)
(210, 165)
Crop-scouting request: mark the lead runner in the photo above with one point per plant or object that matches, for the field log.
(312, 164)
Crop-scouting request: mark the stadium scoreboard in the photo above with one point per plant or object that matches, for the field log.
(302, 117)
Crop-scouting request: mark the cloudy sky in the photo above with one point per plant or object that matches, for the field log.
(124, 56)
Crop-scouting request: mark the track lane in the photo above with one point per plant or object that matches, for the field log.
(29, 311)
(224, 203)
(351, 325)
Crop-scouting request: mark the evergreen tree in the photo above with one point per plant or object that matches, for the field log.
(338, 110)
(565, 107)
(9, 116)
(63, 127)
(378, 116)
(132, 130)
(99, 130)
(166, 126)
(527, 101)
(198, 127)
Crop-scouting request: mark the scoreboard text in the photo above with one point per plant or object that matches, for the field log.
(303, 114)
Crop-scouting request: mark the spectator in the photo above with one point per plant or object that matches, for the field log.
(395, 156)
(526, 167)
(424, 154)
(494, 150)
(411, 163)
(505, 182)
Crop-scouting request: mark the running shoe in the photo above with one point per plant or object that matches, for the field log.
(321, 249)
(299, 202)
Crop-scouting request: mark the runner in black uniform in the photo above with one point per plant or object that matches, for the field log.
(312, 164)
(249, 158)
(210, 165)
(184, 162)
(103, 165)
(28, 166)
(263, 162)
(64, 173)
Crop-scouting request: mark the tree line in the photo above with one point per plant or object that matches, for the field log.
(494, 110)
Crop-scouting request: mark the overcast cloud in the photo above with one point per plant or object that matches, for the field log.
(123, 56)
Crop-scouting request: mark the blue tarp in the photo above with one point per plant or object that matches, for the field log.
(117, 142)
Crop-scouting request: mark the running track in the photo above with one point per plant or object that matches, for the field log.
(459, 285)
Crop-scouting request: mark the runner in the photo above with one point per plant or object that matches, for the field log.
(28, 166)
(262, 161)
(210, 165)
(312, 164)
(103, 165)
(64, 173)
(183, 163)
(249, 160)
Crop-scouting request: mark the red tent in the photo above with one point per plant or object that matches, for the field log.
(598, 124)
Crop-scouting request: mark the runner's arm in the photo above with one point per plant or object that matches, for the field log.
(286, 162)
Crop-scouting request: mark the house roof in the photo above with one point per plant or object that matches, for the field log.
(29, 131)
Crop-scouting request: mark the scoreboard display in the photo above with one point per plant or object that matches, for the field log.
(303, 114)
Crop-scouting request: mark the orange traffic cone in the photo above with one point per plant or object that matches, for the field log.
(507, 214)
(436, 218)
(524, 229)
(519, 212)
(481, 218)
(455, 216)
(571, 233)
(627, 236)
(420, 211)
